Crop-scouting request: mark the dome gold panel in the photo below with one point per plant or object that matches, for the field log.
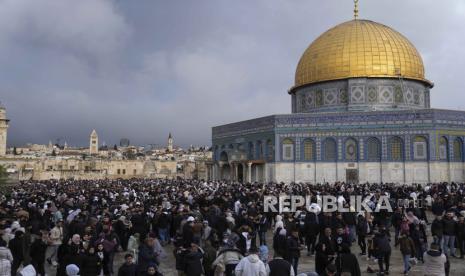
(359, 48)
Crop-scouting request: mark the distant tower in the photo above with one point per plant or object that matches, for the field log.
(170, 142)
(93, 147)
(65, 146)
(3, 130)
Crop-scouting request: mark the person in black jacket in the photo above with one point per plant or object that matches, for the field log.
(328, 239)
(341, 238)
(396, 222)
(383, 250)
(121, 228)
(438, 207)
(152, 270)
(146, 254)
(362, 232)
(91, 264)
(350, 219)
(69, 253)
(322, 258)
(347, 262)
(325, 251)
(38, 248)
(461, 236)
(311, 232)
(128, 268)
(16, 248)
(262, 228)
(437, 230)
(449, 234)
(279, 267)
(193, 261)
(280, 243)
(103, 260)
(293, 249)
(187, 232)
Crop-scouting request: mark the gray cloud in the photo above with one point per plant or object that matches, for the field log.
(140, 69)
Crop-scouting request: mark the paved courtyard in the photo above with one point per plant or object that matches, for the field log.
(307, 264)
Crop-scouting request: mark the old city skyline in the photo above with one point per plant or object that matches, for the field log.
(142, 83)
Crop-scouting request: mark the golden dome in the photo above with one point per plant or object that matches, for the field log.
(359, 48)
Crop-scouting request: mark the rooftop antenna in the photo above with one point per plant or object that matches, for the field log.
(355, 9)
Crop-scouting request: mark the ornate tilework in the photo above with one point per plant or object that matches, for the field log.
(310, 99)
(421, 98)
(398, 94)
(386, 94)
(343, 96)
(408, 96)
(301, 102)
(319, 97)
(330, 96)
(372, 94)
(416, 97)
(357, 94)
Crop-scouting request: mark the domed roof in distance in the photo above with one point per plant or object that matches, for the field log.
(359, 48)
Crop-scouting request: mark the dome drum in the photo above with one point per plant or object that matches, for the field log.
(361, 94)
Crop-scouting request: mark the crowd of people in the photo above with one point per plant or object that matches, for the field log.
(221, 228)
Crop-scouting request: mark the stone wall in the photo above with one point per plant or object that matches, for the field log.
(388, 172)
(43, 169)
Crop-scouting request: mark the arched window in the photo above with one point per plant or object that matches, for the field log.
(270, 150)
(288, 149)
(251, 151)
(259, 150)
(458, 149)
(420, 148)
(309, 150)
(443, 148)
(373, 149)
(215, 153)
(351, 150)
(330, 150)
(396, 150)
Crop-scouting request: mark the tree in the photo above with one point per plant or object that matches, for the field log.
(54, 152)
(115, 147)
(3, 175)
(15, 151)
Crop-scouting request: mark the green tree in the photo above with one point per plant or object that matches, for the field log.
(3, 175)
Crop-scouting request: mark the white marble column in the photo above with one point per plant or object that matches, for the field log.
(249, 172)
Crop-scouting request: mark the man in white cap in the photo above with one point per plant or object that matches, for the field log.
(187, 231)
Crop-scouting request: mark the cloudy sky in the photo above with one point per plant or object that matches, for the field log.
(140, 69)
